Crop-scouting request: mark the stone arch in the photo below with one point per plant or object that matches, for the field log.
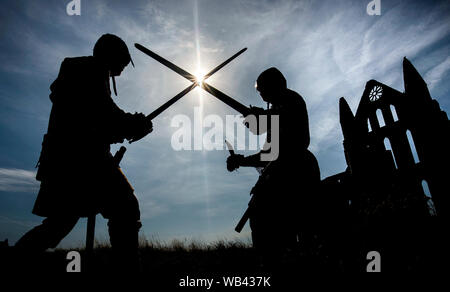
(380, 118)
(394, 112)
(412, 146)
(430, 202)
(388, 146)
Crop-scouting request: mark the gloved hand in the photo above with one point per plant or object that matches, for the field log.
(234, 161)
(254, 110)
(141, 127)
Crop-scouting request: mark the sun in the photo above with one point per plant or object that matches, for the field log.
(199, 77)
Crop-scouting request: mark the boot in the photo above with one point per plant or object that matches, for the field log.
(124, 238)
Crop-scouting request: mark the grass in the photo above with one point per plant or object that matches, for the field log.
(176, 256)
(417, 248)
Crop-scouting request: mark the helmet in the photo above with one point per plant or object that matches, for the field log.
(112, 51)
(271, 80)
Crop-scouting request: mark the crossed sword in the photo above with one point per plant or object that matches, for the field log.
(215, 92)
(207, 87)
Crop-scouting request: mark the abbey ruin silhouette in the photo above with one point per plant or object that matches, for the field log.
(395, 189)
(380, 139)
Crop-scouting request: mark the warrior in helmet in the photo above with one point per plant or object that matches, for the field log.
(79, 176)
(280, 197)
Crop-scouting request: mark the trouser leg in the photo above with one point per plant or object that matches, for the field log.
(123, 213)
(266, 241)
(274, 236)
(124, 240)
(47, 235)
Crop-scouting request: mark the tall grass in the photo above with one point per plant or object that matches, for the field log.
(185, 244)
(177, 256)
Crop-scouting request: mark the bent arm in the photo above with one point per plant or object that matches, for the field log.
(254, 160)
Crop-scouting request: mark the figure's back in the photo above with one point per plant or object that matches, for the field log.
(83, 112)
(294, 125)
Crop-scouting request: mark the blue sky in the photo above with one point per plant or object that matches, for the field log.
(326, 49)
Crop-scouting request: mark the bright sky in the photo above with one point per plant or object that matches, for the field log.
(326, 49)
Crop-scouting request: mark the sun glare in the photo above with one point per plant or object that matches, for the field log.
(199, 76)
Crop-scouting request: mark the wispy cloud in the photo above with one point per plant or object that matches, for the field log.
(18, 180)
(435, 75)
(21, 223)
(150, 208)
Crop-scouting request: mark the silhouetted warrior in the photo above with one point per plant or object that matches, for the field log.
(79, 176)
(281, 203)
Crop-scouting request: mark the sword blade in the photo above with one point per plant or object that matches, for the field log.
(166, 63)
(230, 147)
(223, 64)
(171, 101)
(166, 105)
(226, 99)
